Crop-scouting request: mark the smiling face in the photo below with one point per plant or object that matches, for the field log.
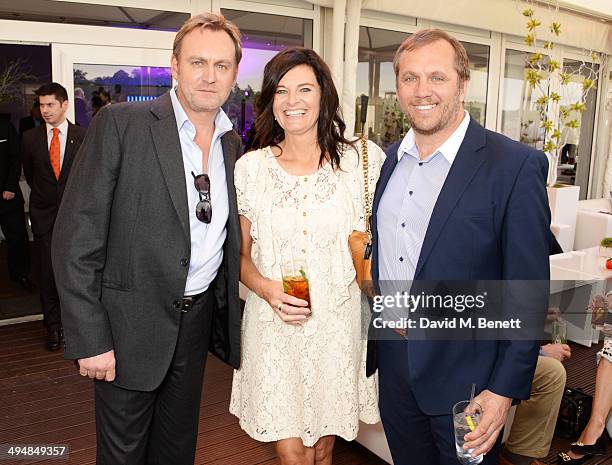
(297, 101)
(52, 110)
(206, 70)
(428, 88)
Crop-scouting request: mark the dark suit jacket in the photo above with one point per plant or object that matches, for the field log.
(490, 222)
(47, 191)
(10, 165)
(121, 245)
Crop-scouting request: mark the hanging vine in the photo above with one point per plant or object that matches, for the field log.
(558, 116)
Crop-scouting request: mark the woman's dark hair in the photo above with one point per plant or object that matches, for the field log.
(330, 126)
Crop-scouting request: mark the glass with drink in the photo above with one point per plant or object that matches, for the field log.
(295, 283)
(293, 272)
(466, 417)
(559, 332)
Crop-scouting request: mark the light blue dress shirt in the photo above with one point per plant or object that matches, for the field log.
(206, 239)
(408, 201)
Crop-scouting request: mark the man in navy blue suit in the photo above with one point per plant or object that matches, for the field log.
(454, 202)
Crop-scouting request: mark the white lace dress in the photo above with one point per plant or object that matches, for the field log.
(305, 382)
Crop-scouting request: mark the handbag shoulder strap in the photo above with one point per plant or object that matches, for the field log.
(366, 188)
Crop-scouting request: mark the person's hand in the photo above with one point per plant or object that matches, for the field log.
(494, 413)
(557, 351)
(99, 366)
(290, 309)
(8, 195)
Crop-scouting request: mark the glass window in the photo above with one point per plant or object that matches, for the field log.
(575, 157)
(476, 97)
(520, 117)
(385, 121)
(263, 36)
(23, 69)
(99, 85)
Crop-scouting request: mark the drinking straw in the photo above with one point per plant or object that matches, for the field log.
(468, 418)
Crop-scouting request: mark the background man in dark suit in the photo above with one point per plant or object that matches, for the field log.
(32, 121)
(12, 217)
(454, 202)
(47, 152)
(146, 252)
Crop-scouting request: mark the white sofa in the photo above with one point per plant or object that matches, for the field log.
(592, 225)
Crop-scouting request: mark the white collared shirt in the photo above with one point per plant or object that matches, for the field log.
(206, 239)
(408, 202)
(63, 137)
(448, 149)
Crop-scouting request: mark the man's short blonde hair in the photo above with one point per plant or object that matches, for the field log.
(210, 21)
(428, 36)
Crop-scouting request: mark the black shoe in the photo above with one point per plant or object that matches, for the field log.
(54, 339)
(599, 448)
(25, 283)
(564, 459)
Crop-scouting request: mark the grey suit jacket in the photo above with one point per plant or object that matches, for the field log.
(121, 245)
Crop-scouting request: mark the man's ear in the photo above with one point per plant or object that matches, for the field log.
(174, 67)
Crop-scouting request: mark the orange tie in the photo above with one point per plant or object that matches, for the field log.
(54, 153)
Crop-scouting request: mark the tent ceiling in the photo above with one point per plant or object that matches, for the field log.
(99, 15)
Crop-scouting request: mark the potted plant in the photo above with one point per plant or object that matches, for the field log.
(605, 247)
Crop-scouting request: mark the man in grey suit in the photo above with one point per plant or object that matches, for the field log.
(146, 252)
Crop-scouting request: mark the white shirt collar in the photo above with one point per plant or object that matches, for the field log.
(63, 128)
(448, 149)
(222, 122)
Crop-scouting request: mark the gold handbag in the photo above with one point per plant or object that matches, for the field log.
(361, 242)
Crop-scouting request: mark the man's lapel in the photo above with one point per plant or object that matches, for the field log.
(168, 150)
(385, 174)
(231, 151)
(42, 149)
(467, 162)
(69, 153)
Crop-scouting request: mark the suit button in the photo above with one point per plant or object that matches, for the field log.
(184, 262)
(177, 304)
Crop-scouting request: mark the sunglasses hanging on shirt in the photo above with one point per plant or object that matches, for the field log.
(204, 207)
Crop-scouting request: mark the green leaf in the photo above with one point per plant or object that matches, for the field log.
(303, 273)
(548, 45)
(528, 13)
(529, 39)
(542, 101)
(532, 24)
(533, 77)
(587, 84)
(556, 134)
(564, 111)
(555, 28)
(546, 124)
(555, 97)
(578, 106)
(550, 147)
(535, 58)
(572, 124)
(553, 66)
(565, 78)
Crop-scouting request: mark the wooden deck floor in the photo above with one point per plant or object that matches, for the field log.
(44, 400)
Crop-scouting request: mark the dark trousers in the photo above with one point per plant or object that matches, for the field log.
(49, 299)
(12, 222)
(158, 427)
(414, 437)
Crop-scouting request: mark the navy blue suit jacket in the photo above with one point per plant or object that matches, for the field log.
(491, 222)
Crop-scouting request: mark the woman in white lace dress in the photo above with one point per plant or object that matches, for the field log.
(302, 377)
